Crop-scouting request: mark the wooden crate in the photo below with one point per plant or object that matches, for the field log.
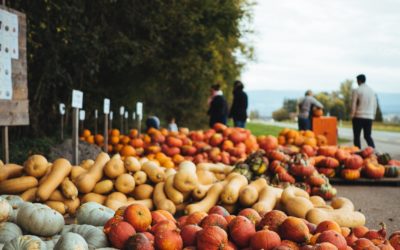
(326, 126)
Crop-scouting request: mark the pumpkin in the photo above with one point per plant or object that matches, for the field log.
(92, 213)
(36, 166)
(373, 170)
(354, 162)
(35, 218)
(391, 171)
(25, 242)
(14, 200)
(212, 238)
(350, 174)
(114, 167)
(138, 241)
(138, 216)
(265, 239)
(125, 183)
(294, 229)
(120, 233)
(71, 241)
(168, 240)
(5, 210)
(241, 230)
(51, 243)
(94, 236)
(9, 231)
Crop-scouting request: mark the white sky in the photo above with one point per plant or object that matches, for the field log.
(302, 44)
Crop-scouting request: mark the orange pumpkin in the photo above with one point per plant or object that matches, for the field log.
(119, 233)
(294, 229)
(212, 238)
(138, 216)
(265, 239)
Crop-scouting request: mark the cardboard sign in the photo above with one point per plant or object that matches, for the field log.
(61, 107)
(139, 109)
(111, 115)
(121, 110)
(82, 115)
(77, 99)
(106, 106)
(126, 114)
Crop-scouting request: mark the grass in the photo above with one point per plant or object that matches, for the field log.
(379, 126)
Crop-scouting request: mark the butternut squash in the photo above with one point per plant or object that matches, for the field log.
(56, 196)
(29, 195)
(268, 198)
(154, 172)
(72, 206)
(143, 160)
(144, 191)
(76, 171)
(86, 181)
(117, 196)
(68, 189)
(206, 177)
(231, 208)
(57, 205)
(161, 201)
(145, 202)
(200, 191)
(317, 201)
(215, 167)
(170, 171)
(230, 195)
(93, 197)
(125, 183)
(248, 196)
(61, 169)
(140, 177)
(18, 185)
(44, 177)
(86, 164)
(172, 193)
(342, 213)
(210, 200)
(132, 164)
(36, 166)
(296, 202)
(180, 209)
(116, 200)
(103, 187)
(185, 179)
(10, 171)
(220, 176)
(114, 167)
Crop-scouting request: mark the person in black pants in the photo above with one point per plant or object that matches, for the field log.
(218, 110)
(238, 110)
(363, 111)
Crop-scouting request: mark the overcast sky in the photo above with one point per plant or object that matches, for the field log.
(301, 44)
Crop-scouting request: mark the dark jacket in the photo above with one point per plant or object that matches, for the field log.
(239, 105)
(218, 110)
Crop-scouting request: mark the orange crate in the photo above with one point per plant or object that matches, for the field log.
(326, 126)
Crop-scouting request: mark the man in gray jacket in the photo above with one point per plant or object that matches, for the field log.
(363, 111)
(305, 110)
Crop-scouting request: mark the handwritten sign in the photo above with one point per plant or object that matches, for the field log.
(77, 99)
(106, 106)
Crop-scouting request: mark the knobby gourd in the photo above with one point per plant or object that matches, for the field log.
(36, 166)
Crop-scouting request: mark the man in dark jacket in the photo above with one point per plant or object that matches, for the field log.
(218, 110)
(239, 105)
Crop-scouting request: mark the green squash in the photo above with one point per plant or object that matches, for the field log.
(391, 171)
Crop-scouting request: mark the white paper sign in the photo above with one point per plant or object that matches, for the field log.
(82, 115)
(106, 106)
(139, 108)
(126, 114)
(5, 78)
(121, 110)
(61, 107)
(77, 99)
(111, 115)
(133, 116)
(95, 114)
(8, 34)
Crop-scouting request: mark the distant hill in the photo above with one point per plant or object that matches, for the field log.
(267, 101)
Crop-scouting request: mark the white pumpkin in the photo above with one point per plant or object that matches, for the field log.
(9, 231)
(39, 219)
(93, 213)
(94, 236)
(5, 210)
(50, 242)
(25, 242)
(14, 200)
(71, 241)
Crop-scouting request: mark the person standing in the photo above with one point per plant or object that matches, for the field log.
(363, 111)
(218, 107)
(238, 110)
(305, 110)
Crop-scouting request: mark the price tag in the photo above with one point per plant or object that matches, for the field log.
(111, 115)
(77, 99)
(133, 116)
(61, 107)
(126, 114)
(106, 106)
(82, 115)
(96, 115)
(121, 110)
(139, 109)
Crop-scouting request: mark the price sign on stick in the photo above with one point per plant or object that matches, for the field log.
(77, 99)
(96, 115)
(82, 115)
(133, 116)
(61, 107)
(106, 106)
(121, 110)
(139, 109)
(126, 115)
(111, 115)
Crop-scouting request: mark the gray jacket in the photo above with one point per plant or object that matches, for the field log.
(305, 106)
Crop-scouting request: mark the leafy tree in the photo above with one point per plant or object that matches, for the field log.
(290, 105)
(378, 115)
(280, 115)
(346, 90)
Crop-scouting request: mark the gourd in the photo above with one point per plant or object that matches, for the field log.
(296, 202)
(154, 172)
(56, 196)
(93, 197)
(48, 171)
(114, 167)
(140, 177)
(71, 241)
(125, 183)
(132, 164)
(25, 242)
(17, 185)
(76, 171)
(10, 171)
(69, 189)
(5, 210)
(171, 192)
(230, 194)
(210, 200)
(145, 202)
(392, 171)
(116, 200)
(103, 187)
(206, 177)
(161, 201)
(343, 213)
(170, 171)
(9, 231)
(36, 166)
(185, 179)
(72, 206)
(249, 194)
(86, 164)
(29, 195)
(14, 200)
(59, 206)
(144, 191)
(36, 218)
(86, 181)
(215, 167)
(200, 191)
(268, 198)
(94, 236)
(61, 169)
(92, 213)
(317, 201)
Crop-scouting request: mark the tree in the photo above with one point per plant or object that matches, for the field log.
(346, 91)
(290, 105)
(378, 115)
(280, 115)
